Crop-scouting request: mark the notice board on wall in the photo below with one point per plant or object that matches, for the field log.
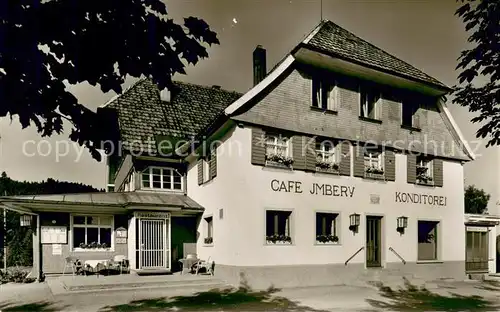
(54, 235)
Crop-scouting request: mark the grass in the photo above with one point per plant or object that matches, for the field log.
(412, 298)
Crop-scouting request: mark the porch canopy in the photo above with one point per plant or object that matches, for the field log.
(110, 202)
(484, 220)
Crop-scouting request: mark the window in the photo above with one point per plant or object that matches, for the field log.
(209, 227)
(327, 155)
(427, 240)
(408, 111)
(326, 227)
(424, 169)
(369, 102)
(162, 178)
(373, 159)
(277, 145)
(324, 94)
(477, 251)
(278, 227)
(92, 231)
(326, 151)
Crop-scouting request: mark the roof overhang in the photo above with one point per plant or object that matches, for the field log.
(481, 220)
(314, 57)
(105, 203)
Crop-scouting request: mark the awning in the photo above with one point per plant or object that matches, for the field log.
(109, 202)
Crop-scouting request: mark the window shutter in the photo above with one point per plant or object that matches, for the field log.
(298, 152)
(200, 171)
(310, 151)
(345, 159)
(390, 165)
(359, 162)
(213, 163)
(437, 165)
(411, 168)
(258, 147)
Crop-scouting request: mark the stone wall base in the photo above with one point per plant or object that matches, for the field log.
(355, 274)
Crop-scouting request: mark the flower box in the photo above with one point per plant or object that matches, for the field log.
(327, 239)
(94, 245)
(279, 240)
(374, 173)
(279, 160)
(425, 179)
(326, 166)
(209, 240)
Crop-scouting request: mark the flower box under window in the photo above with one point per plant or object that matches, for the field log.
(279, 160)
(279, 239)
(327, 166)
(425, 179)
(374, 173)
(209, 240)
(327, 239)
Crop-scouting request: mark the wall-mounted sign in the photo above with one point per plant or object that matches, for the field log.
(53, 235)
(415, 198)
(121, 232)
(121, 240)
(152, 214)
(476, 229)
(313, 189)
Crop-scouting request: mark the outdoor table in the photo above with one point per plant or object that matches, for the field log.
(95, 263)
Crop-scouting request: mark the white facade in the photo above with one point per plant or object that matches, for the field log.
(244, 193)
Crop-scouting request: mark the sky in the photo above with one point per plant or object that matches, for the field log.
(424, 33)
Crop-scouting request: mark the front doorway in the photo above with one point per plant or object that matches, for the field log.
(153, 238)
(373, 241)
(477, 242)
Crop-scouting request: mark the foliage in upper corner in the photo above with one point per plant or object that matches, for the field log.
(476, 200)
(99, 42)
(482, 19)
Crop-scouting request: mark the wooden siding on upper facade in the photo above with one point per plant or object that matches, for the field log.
(286, 105)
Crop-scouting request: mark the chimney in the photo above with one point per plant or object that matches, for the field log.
(259, 64)
(165, 95)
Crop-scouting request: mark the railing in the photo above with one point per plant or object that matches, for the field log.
(354, 255)
(400, 258)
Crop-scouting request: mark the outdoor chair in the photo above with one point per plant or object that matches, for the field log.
(120, 263)
(72, 263)
(208, 265)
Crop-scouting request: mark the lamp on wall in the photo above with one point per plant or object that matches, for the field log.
(402, 224)
(354, 222)
(25, 220)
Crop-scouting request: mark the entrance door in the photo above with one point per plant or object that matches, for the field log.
(153, 244)
(373, 241)
(476, 259)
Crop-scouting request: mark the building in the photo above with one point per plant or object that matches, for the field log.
(341, 162)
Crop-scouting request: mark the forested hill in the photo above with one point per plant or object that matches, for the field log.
(50, 186)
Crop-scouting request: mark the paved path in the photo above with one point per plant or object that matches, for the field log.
(307, 299)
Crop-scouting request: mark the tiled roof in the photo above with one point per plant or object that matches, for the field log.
(142, 115)
(334, 39)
